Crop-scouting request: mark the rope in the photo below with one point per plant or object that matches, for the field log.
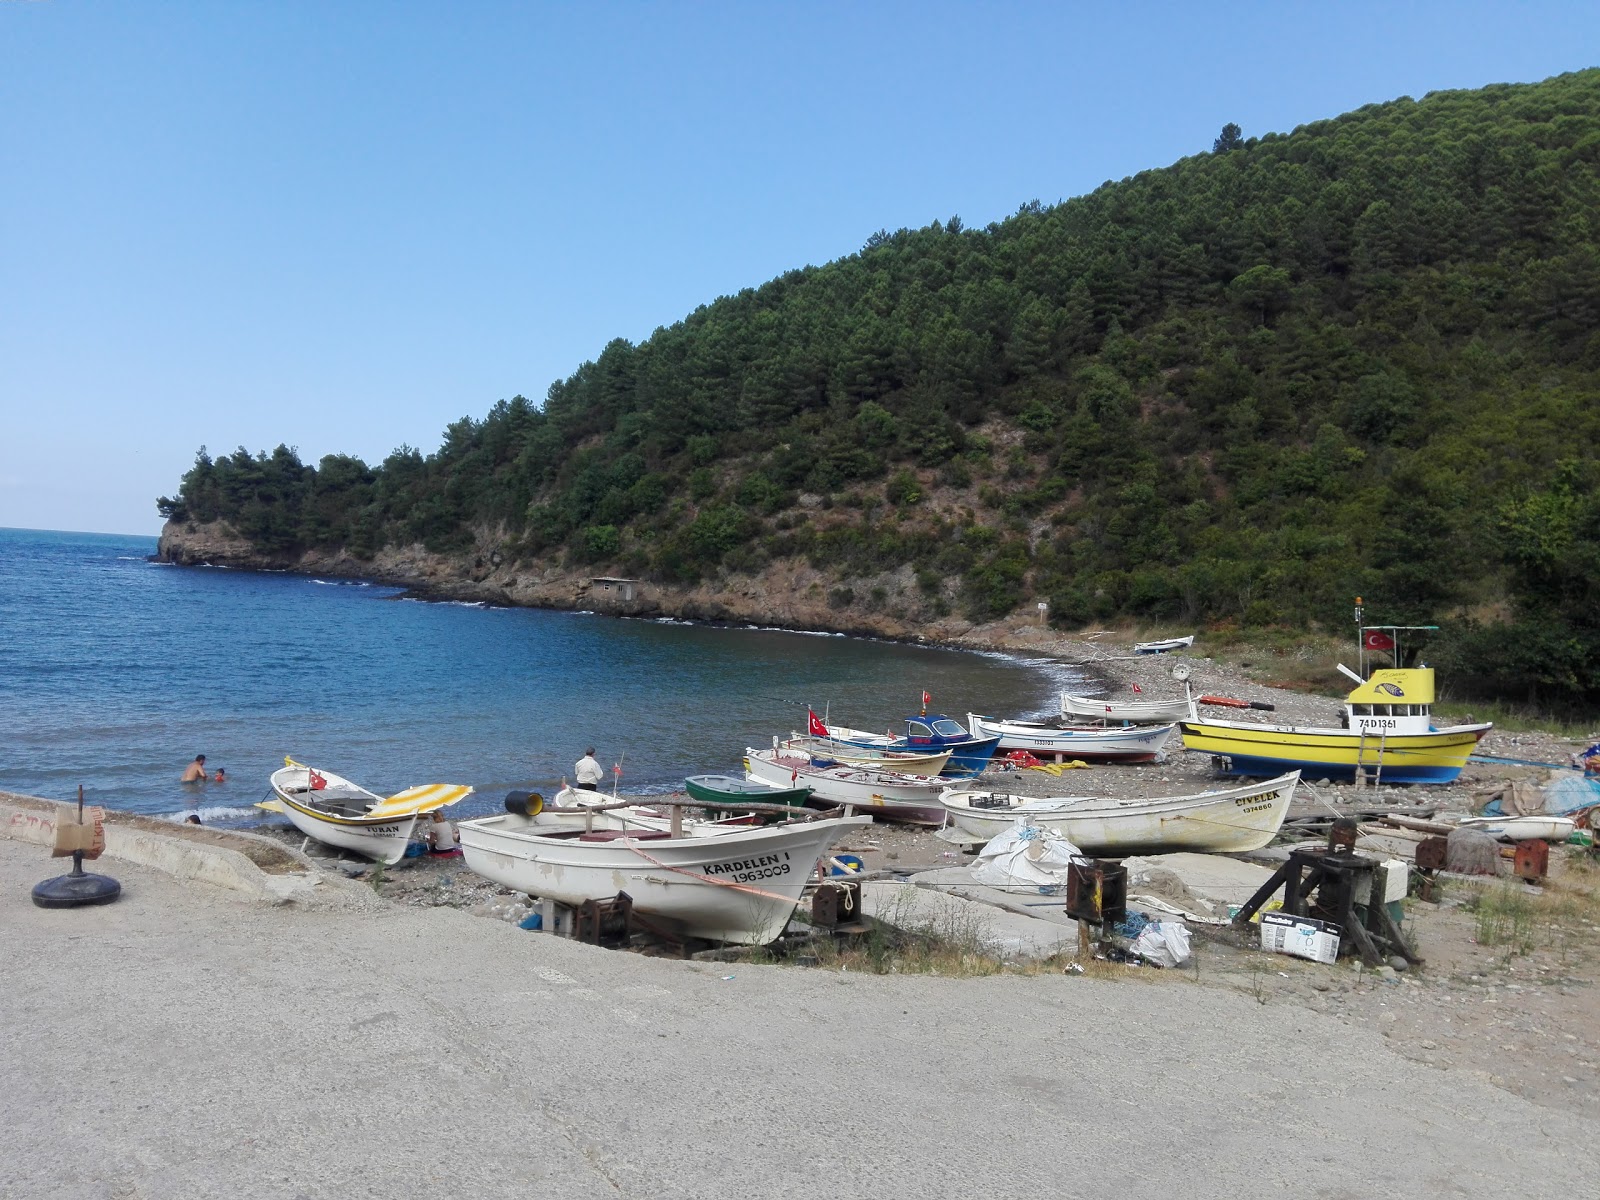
(727, 883)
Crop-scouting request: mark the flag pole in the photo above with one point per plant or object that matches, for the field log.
(1361, 642)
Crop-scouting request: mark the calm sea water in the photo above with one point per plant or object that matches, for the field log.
(115, 672)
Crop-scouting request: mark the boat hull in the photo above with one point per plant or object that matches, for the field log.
(1138, 712)
(968, 756)
(886, 794)
(737, 887)
(866, 754)
(705, 792)
(1229, 821)
(382, 840)
(1165, 646)
(1131, 744)
(1258, 750)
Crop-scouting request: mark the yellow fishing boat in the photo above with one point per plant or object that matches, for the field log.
(1388, 733)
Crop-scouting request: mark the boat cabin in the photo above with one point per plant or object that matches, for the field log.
(1393, 702)
(935, 731)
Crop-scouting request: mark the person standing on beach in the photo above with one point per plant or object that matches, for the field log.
(195, 772)
(588, 771)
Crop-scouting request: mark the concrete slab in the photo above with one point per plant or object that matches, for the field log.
(185, 1043)
(255, 866)
(1009, 933)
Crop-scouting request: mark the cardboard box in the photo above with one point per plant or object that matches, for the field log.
(88, 837)
(1303, 937)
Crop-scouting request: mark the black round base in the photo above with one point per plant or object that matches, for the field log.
(73, 891)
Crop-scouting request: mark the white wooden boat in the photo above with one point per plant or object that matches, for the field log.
(1137, 712)
(968, 753)
(888, 794)
(641, 815)
(1228, 821)
(1526, 828)
(738, 886)
(1134, 743)
(335, 811)
(1163, 646)
(907, 762)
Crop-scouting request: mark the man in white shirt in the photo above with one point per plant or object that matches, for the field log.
(588, 771)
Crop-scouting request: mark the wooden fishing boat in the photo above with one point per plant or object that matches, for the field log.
(335, 811)
(1092, 743)
(888, 794)
(1133, 712)
(1163, 646)
(731, 790)
(1228, 821)
(1388, 734)
(968, 754)
(737, 885)
(833, 750)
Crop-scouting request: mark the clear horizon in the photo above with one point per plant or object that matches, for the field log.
(344, 228)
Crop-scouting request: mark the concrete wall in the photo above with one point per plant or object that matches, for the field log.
(221, 857)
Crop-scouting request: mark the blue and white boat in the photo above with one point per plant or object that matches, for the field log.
(969, 752)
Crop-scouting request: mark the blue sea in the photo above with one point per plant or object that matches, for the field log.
(116, 671)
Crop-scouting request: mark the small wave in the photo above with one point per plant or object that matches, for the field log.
(215, 812)
(828, 633)
(130, 558)
(670, 621)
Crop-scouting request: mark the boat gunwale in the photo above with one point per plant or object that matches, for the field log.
(1154, 806)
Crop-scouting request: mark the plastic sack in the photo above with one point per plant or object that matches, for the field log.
(1025, 856)
(1163, 943)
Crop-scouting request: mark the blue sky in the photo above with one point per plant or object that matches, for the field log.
(344, 225)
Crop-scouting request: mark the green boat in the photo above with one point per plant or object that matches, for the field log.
(732, 791)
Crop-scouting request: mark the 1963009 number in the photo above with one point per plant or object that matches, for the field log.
(752, 870)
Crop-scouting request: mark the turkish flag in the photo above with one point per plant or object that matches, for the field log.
(814, 725)
(317, 781)
(926, 700)
(1137, 688)
(1377, 641)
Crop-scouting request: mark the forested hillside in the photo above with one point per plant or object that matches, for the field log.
(1358, 358)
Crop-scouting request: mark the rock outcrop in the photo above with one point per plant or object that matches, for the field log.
(787, 594)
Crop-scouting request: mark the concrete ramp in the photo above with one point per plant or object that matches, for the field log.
(242, 862)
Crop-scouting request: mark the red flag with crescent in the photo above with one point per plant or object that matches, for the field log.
(814, 725)
(1377, 641)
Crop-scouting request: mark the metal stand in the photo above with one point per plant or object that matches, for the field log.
(1341, 887)
(615, 923)
(78, 887)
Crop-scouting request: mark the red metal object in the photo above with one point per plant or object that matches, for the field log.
(1431, 853)
(1532, 860)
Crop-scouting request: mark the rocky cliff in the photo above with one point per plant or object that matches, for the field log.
(786, 594)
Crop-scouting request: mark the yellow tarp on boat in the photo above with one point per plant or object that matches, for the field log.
(420, 799)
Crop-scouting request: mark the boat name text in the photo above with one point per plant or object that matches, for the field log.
(748, 870)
